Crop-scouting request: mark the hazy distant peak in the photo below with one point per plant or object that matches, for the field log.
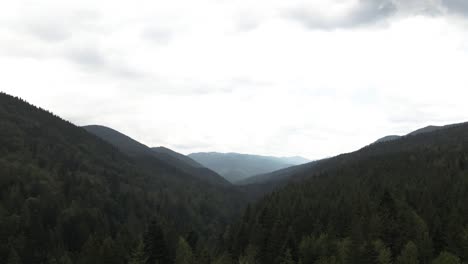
(237, 166)
(296, 160)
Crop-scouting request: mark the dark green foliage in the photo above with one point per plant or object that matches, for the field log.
(67, 195)
(155, 245)
(13, 257)
(446, 258)
(401, 201)
(184, 253)
(138, 255)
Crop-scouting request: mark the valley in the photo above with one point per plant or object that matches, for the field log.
(91, 194)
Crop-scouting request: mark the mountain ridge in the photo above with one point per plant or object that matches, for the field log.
(426, 129)
(236, 166)
(163, 155)
(279, 176)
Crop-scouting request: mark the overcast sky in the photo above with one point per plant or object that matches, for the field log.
(276, 77)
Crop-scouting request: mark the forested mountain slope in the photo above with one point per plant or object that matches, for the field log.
(155, 157)
(177, 155)
(426, 129)
(67, 196)
(401, 201)
(380, 147)
(278, 177)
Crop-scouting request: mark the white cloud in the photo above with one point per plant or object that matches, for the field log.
(240, 75)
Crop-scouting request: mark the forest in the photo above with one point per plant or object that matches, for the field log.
(68, 196)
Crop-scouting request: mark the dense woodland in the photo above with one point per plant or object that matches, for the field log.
(68, 196)
(394, 202)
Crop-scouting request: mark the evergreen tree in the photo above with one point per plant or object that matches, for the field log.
(446, 258)
(65, 259)
(192, 239)
(13, 257)
(250, 256)
(343, 247)
(384, 255)
(155, 247)
(287, 258)
(225, 258)
(108, 252)
(184, 253)
(138, 255)
(409, 254)
(203, 257)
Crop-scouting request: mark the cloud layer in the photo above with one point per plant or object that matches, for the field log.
(312, 78)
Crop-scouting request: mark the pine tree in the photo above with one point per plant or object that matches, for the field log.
(225, 258)
(155, 247)
(192, 239)
(409, 254)
(13, 257)
(287, 258)
(250, 256)
(138, 255)
(343, 248)
(446, 258)
(184, 254)
(384, 255)
(65, 259)
(388, 213)
(108, 252)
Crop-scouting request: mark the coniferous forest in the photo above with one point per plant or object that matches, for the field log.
(71, 196)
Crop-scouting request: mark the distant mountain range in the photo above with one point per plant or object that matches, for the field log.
(236, 167)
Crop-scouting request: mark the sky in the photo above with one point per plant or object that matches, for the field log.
(273, 77)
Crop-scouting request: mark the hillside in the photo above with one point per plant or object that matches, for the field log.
(159, 156)
(176, 155)
(395, 201)
(69, 197)
(426, 129)
(282, 176)
(236, 167)
(276, 177)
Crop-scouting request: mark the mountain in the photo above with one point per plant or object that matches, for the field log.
(296, 160)
(163, 156)
(426, 129)
(282, 176)
(176, 155)
(70, 196)
(235, 167)
(123, 142)
(385, 203)
(387, 138)
(276, 177)
(67, 196)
